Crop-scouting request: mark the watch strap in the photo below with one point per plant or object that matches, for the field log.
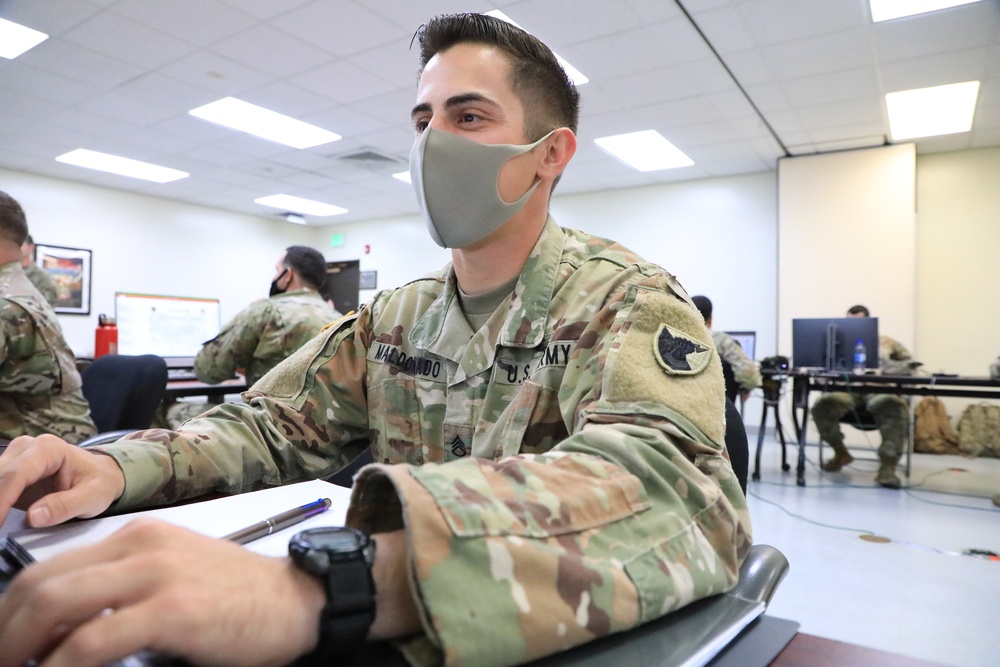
(349, 610)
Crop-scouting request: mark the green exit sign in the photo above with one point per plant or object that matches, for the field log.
(337, 240)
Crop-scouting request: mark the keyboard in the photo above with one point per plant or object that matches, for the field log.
(181, 374)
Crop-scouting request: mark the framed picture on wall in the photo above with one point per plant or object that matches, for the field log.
(70, 270)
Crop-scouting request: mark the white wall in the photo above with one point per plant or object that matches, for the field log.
(847, 235)
(149, 245)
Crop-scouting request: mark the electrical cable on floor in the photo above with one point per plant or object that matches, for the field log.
(807, 520)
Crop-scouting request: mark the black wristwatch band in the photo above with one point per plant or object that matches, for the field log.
(348, 613)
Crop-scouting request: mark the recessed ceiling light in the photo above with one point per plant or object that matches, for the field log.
(575, 75)
(886, 10)
(15, 39)
(403, 176)
(122, 166)
(300, 205)
(295, 218)
(928, 112)
(264, 123)
(645, 151)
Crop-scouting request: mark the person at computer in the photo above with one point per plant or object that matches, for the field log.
(268, 331)
(39, 384)
(559, 470)
(40, 279)
(891, 413)
(745, 371)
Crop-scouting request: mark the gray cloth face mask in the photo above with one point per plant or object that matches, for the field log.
(455, 180)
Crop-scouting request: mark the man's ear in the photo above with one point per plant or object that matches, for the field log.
(559, 150)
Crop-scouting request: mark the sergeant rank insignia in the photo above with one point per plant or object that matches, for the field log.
(679, 354)
(458, 447)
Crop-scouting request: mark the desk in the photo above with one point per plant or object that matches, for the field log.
(215, 392)
(807, 380)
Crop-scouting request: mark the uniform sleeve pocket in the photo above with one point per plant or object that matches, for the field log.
(536, 497)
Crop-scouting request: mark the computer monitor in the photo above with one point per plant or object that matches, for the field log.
(828, 343)
(747, 340)
(173, 327)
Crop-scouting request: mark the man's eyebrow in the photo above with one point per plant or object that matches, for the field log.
(455, 100)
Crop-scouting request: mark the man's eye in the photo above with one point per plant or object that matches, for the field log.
(420, 125)
(468, 118)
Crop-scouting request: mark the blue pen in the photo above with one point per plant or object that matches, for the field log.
(278, 522)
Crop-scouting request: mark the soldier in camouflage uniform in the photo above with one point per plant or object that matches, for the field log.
(40, 279)
(891, 413)
(268, 331)
(745, 370)
(39, 384)
(547, 473)
(995, 370)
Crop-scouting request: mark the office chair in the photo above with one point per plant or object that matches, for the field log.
(736, 444)
(732, 388)
(123, 392)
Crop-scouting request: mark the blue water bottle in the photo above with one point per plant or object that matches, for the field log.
(860, 357)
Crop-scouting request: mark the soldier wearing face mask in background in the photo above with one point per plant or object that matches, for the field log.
(545, 413)
(266, 332)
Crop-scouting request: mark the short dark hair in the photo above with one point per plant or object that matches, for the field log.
(13, 225)
(549, 97)
(858, 310)
(704, 306)
(308, 263)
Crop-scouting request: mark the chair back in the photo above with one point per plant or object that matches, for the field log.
(732, 388)
(736, 444)
(124, 391)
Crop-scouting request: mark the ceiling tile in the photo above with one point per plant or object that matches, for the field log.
(74, 62)
(270, 50)
(201, 23)
(343, 82)
(341, 28)
(125, 40)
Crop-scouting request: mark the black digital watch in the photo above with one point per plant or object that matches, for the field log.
(342, 559)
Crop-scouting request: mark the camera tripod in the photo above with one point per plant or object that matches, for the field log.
(772, 384)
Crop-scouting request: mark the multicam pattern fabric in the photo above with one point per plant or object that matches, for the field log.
(264, 334)
(745, 371)
(891, 413)
(556, 484)
(42, 281)
(39, 384)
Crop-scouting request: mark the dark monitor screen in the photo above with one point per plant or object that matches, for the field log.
(828, 343)
(747, 340)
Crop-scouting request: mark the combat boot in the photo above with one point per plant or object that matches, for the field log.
(841, 457)
(887, 474)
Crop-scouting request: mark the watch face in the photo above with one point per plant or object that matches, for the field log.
(335, 542)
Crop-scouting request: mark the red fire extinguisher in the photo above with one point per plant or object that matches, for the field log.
(106, 336)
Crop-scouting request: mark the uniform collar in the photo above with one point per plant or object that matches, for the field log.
(527, 310)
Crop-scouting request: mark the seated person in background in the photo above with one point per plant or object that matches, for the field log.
(551, 474)
(39, 384)
(269, 330)
(40, 279)
(995, 370)
(891, 413)
(745, 370)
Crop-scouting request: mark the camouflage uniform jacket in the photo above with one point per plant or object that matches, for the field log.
(995, 370)
(745, 371)
(560, 473)
(39, 383)
(263, 334)
(42, 281)
(894, 358)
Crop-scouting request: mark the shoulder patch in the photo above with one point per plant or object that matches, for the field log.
(679, 354)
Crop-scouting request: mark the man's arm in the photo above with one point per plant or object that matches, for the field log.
(745, 371)
(233, 348)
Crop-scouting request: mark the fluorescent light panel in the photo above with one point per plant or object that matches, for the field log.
(575, 75)
(647, 150)
(122, 166)
(300, 205)
(886, 10)
(15, 39)
(928, 112)
(264, 123)
(403, 176)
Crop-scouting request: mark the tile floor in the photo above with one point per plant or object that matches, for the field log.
(914, 593)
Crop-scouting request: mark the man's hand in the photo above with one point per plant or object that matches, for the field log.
(156, 586)
(55, 481)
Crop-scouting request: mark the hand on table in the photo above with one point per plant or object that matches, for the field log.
(156, 586)
(56, 481)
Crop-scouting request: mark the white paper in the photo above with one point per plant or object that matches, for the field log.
(213, 517)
